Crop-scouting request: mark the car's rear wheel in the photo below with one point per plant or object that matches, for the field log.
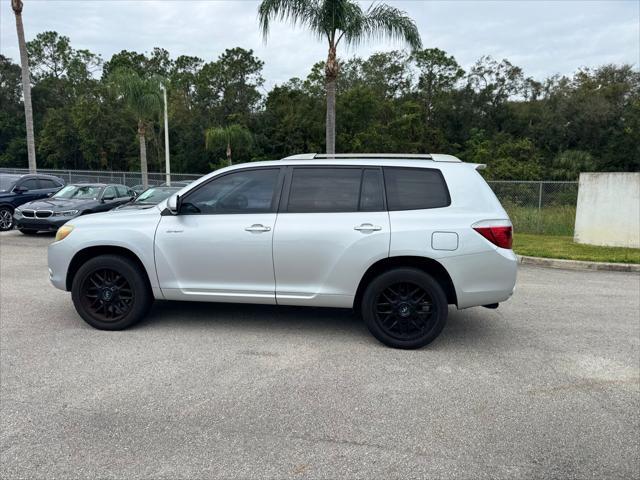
(111, 292)
(404, 308)
(6, 219)
(27, 231)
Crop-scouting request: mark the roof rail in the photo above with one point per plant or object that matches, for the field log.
(437, 157)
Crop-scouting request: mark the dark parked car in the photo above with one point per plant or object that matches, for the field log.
(150, 197)
(16, 190)
(70, 202)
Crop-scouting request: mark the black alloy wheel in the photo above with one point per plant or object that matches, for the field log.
(107, 295)
(6, 219)
(404, 308)
(111, 292)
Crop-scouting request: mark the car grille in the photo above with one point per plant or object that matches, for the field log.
(28, 213)
(43, 213)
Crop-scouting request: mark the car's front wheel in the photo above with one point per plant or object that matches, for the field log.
(111, 292)
(6, 219)
(404, 308)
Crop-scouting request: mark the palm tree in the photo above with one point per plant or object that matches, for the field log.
(16, 5)
(338, 20)
(233, 135)
(142, 96)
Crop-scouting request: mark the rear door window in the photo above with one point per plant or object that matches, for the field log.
(372, 192)
(30, 184)
(415, 188)
(320, 189)
(48, 183)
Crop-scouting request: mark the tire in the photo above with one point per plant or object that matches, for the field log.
(27, 232)
(411, 318)
(6, 219)
(111, 292)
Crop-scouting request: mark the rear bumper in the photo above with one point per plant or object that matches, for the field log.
(483, 278)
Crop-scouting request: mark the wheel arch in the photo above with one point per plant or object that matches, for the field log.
(91, 252)
(10, 206)
(427, 265)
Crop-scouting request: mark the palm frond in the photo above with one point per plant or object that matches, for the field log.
(384, 21)
(296, 12)
(142, 95)
(219, 137)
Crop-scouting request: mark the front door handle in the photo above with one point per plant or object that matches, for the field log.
(367, 227)
(258, 227)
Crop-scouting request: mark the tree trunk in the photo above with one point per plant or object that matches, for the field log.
(26, 85)
(143, 154)
(229, 153)
(331, 74)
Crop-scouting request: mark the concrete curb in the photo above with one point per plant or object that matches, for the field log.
(578, 264)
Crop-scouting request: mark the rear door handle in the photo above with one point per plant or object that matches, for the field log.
(367, 227)
(258, 227)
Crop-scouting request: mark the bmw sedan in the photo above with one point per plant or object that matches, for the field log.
(70, 202)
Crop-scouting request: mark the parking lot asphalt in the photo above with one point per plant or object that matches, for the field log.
(547, 386)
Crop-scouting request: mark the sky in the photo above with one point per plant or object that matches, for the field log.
(542, 37)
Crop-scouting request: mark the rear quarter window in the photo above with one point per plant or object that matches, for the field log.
(415, 188)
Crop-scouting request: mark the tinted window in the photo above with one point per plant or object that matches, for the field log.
(415, 188)
(47, 183)
(371, 198)
(30, 184)
(250, 191)
(324, 190)
(122, 191)
(109, 192)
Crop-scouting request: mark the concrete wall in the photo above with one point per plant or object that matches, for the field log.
(608, 211)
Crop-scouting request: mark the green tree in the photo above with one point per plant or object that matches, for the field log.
(142, 97)
(231, 137)
(13, 150)
(569, 164)
(52, 56)
(336, 20)
(229, 86)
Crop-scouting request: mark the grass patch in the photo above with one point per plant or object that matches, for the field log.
(556, 220)
(556, 246)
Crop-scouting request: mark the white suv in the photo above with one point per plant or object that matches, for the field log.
(396, 237)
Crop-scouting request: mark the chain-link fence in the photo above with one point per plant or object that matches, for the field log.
(534, 206)
(539, 206)
(130, 179)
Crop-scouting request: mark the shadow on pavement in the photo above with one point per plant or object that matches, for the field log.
(464, 328)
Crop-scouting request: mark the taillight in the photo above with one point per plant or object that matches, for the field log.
(500, 236)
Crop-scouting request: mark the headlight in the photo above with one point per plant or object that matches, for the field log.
(63, 232)
(66, 213)
(17, 212)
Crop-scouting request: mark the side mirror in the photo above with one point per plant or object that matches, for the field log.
(173, 204)
(20, 189)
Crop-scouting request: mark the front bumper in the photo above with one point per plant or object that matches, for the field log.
(59, 255)
(50, 224)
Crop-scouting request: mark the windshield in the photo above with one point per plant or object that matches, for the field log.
(155, 195)
(79, 192)
(7, 182)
